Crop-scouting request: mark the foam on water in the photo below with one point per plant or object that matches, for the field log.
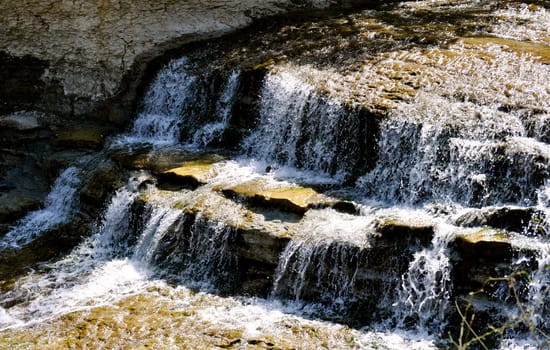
(535, 22)
(60, 204)
(259, 318)
(426, 286)
(102, 269)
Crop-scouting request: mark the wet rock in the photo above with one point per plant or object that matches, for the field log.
(260, 244)
(292, 199)
(14, 205)
(158, 160)
(480, 255)
(346, 207)
(83, 137)
(404, 228)
(55, 163)
(100, 181)
(507, 218)
(53, 243)
(191, 174)
(485, 244)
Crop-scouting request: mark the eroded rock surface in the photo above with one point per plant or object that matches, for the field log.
(70, 56)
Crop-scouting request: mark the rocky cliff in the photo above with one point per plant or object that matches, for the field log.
(70, 57)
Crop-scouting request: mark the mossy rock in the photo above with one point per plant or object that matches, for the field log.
(83, 138)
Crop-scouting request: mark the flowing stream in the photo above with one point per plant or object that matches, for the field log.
(58, 208)
(378, 272)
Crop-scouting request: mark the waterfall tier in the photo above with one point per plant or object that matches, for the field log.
(280, 184)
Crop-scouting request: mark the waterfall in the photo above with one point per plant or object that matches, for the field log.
(213, 131)
(158, 222)
(59, 205)
(375, 248)
(426, 287)
(321, 265)
(299, 127)
(165, 106)
(538, 306)
(314, 272)
(198, 254)
(438, 150)
(70, 283)
(182, 106)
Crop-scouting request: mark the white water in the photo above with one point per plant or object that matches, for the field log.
(323, 259)
(173, 102)
(299, 128)
(436, 149)
(164, 107)
(89, 273)
(439, 150)
(214, 131)
(59, 205)
(426, 287)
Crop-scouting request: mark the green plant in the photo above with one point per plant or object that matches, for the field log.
(468, 336)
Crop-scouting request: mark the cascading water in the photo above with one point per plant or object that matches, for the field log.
(322, 265)
(164, 106)
(456, 152)
(213, 131)
(298, 127)
(426, 286)
(176, 100)
(385, 262)
(60, 204)
(102, 268)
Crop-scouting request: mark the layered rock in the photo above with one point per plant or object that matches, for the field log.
(70, 57)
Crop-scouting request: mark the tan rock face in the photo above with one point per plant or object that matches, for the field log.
(91, 45)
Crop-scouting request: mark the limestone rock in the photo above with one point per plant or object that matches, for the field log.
(75, 54)
(83, 137)
(189, 174)
(507, 218)
(400, 228)
(292, 199)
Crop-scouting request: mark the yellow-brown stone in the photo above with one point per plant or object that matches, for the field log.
(199, 170)
(539, 51)
(84, 137)
(292, 199)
